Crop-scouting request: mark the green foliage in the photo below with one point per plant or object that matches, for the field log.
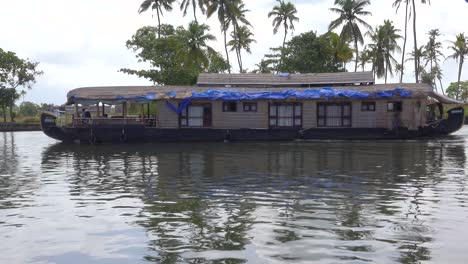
(186, 3)
(31, 120)
(349, 12)
(14, 73)
(157, 5)
(307, 53)
(177, 57)
(28, 109)
(458, 91)
(7, 98)
(193, 45)
(227, 11)
(383, 45)
(284, 15)
(242, 37)
(460, 51)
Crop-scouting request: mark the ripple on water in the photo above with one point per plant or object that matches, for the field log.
(356, 201)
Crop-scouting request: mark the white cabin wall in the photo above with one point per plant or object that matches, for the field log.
(240, 119)
(167, 118)
(309, 114)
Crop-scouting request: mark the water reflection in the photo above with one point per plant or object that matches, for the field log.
(232, 203)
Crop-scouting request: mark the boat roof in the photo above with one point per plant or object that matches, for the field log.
(118, 94)
(285, 79)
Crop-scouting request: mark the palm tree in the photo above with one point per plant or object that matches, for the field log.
(186, 3)
(420, 53)
(241, 39)
(437, 73)
(416, 59)
(340, 49)
(236, 18)
(195, 49)
(432, 54)
(397, 4)
(224, 9)
(460, 50)
(157, 5)
(349, 12)
(365, 56)
(284, 14)
(384, 44)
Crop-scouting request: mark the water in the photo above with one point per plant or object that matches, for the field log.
(330, 202)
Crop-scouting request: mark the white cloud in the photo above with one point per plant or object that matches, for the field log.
(81, 43)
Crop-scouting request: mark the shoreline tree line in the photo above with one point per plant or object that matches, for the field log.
(350, 39)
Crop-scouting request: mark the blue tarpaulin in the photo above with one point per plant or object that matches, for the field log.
(181, 106)
(234, 95)
(328, 93)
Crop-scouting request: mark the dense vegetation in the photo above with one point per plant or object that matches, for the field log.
(178, 56)
(15, 73)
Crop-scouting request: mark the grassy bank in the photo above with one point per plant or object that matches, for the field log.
(24, 120)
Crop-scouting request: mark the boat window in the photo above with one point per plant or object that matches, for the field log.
(229, 106)
(250, 107)
(192, 116)
(286, 115)
(334, 114)
(368, 106)
(394, 107)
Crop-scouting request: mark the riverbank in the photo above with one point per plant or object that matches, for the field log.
(7, 127)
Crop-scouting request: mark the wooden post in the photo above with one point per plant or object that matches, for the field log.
(97, 110)
(148, 108)
(142, 113)
(124, 112)
(77, 115)
(103, 109)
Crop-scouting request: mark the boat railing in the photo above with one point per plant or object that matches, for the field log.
(109, 121)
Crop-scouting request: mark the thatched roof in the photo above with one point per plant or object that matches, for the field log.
(282, 79)
(119, 93)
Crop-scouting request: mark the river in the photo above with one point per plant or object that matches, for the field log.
(290, 202)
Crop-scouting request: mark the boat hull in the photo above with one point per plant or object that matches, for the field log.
(142, 134)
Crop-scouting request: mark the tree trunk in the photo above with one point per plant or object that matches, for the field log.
(404, 43)
(357, 54)
(237, 49)
(386, 71)
(223, 26)
(460, 67)
(239, 58)
(441, 87)
(4, 114)
(284, 43)
(12, 119)
(195, 11)
(434, 79)
(226, 49)
(416, 55)
(356, 48)
(159, 23)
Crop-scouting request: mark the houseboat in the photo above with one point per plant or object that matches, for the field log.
(257, 107)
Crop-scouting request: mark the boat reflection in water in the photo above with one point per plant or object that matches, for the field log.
(266, 202)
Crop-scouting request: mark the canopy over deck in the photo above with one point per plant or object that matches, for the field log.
(285, 79)
(144, 94)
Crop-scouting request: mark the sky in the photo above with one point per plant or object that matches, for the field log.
(82, 43)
